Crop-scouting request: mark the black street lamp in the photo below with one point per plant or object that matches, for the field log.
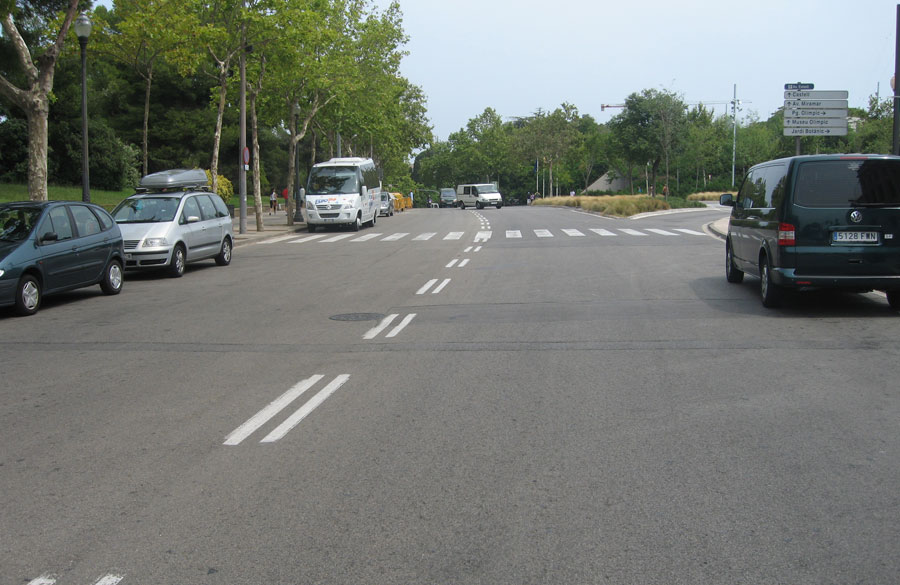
(83, 31)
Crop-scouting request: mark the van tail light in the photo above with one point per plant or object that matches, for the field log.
(787, 234)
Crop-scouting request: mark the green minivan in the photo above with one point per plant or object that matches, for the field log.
(822, 221)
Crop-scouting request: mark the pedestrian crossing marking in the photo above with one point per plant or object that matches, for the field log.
(486, 235)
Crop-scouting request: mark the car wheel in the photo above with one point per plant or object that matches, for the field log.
(771, 293)
(893, 297)
(310, 228)
(499, 205)
(176, 266)
(28, 295)
(112, 280)
(732, 274)
(224, 257)
(462, 204)
(356, 224)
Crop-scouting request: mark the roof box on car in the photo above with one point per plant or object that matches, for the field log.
(174, 179)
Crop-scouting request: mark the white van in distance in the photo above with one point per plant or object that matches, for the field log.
(478, 195)
(343, 192)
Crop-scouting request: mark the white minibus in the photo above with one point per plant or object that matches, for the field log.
(343, 192)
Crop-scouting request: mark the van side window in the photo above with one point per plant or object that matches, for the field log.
(775, 185)
(753, 189)
(190, 209)
(206, 207)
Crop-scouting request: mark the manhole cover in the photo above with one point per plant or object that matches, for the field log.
(357, 317)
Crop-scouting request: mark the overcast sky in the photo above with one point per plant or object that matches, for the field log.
(520, 55)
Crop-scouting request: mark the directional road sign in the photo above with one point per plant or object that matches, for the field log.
(817, 95)
(816, 104)
(800, 86)
(815, 112)
(798, 132)
(815, 122)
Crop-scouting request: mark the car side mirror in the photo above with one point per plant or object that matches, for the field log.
(49, 237)
(726, 199)
(193, 219)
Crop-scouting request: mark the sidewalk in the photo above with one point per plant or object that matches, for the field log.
(273, 225)
(720, 226)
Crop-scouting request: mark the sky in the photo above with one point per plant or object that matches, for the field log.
(516, 56)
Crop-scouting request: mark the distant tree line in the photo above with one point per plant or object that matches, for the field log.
(656, 141)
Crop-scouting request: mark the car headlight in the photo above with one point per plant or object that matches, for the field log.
(309, 204)
(2, 272)
(347, 206)
(154, 242)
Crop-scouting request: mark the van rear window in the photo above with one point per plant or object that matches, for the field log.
(848, 183)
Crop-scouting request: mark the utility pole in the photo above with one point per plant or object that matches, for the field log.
(242, 166)
(734, 104)
(894, 83)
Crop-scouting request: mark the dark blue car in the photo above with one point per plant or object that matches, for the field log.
(48, 247)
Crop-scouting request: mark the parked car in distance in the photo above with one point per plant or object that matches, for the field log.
(48, 247)
(823, 221)
(479, 195)
(448, 197)
(386, 207)
(172, 220)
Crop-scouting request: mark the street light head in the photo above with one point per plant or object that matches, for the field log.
(83, 26)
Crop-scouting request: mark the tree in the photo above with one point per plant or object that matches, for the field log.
(35, 77)
(144, 33)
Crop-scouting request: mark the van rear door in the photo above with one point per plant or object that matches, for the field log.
(846, 217)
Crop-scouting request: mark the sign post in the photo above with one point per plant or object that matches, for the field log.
(811, 112)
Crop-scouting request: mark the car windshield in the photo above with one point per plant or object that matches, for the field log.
(333, 180)
(484, 189)
(849, 182)
(17, 222)
(146, 210)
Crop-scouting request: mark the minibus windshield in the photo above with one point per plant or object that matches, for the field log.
(333, 180)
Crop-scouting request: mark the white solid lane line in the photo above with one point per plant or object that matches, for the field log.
(301, 413)
(274, 407)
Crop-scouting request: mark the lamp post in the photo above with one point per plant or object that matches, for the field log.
(83, 31)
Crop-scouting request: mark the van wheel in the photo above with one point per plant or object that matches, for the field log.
(732, 274)
(176, 266)
(224, 257)
(356, 224)
(479, 206)
(499, 205)
(893, 297)
(111, 283)
(310, 228)
(462, 204)
(28, 295)
(771, 293)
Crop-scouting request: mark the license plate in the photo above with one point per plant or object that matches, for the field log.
(855, 237)
(128, 256)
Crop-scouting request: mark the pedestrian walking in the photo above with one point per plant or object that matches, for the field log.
(273, 202)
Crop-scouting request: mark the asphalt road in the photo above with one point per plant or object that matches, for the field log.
(501, 401)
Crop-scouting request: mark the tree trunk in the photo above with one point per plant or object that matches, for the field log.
(257, 190)
(144, 140)
(217, 138)
(37, 148)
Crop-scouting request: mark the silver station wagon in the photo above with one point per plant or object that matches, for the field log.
(174, 219)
